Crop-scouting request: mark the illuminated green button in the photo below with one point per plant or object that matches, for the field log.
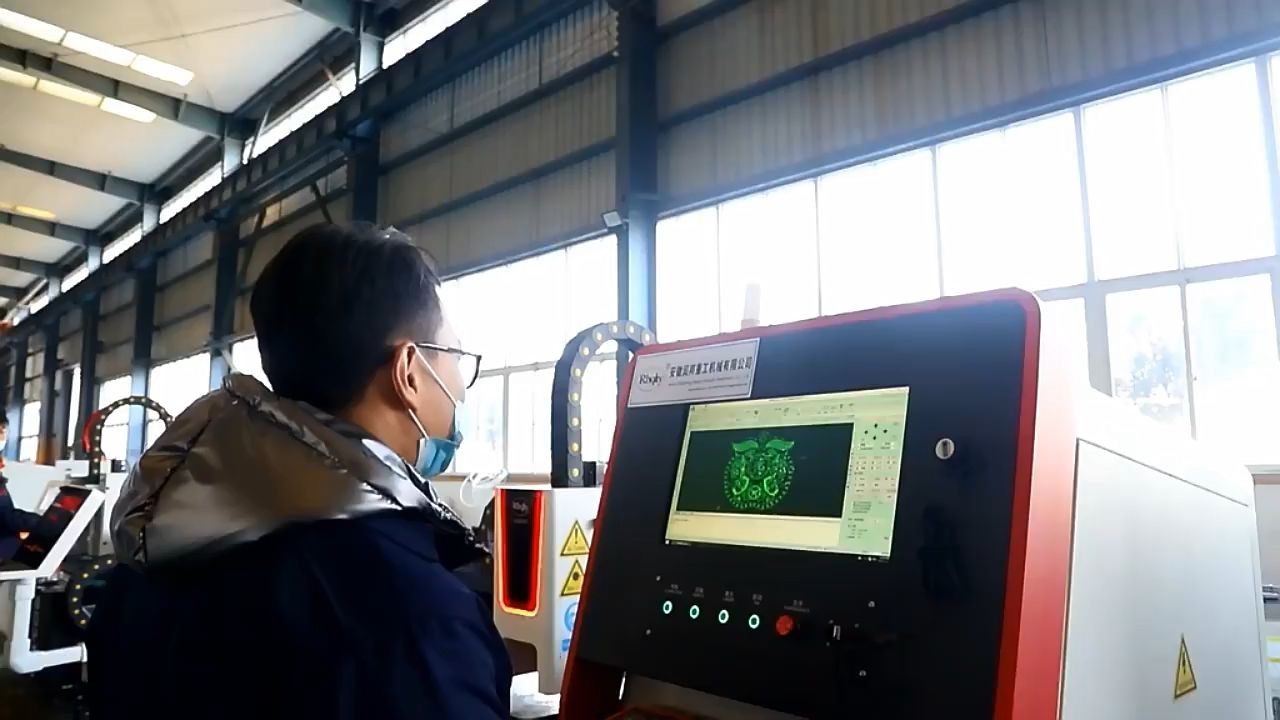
(723, 617)
(694, 612)
(753, 622)
(666, 607)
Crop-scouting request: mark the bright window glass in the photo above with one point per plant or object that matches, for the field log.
(1223, 207)
(73, 418)
(770, 240)
(529, 420)
(1067, 317)
(1236, 372)
(688, 276)
(116, 248)
(246, 359)
(1126, 149)
(283, 126)
(115, 433)
(414, 35)
(1148, 355)
(75, 277)
(207, 181)
(175, 385)
(29, 442)
(1010, 209)
(482, 427)
(507, 414)
(878, 235)
(599, 409)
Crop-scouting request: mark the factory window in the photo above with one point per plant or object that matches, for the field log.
(344, 83)
(246, 359)
(507, 422)
(414, 35)
(207, 181)
(75, 277)
(878, 234)
(175, 385)
(115, 434)
(116, 248)
(73, 418)
(29, 441)
(1144, 222)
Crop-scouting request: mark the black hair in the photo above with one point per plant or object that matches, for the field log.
(328, 305)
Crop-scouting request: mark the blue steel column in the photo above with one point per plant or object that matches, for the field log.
(362, 171)
(636, 163)
(144, 307)
(226, 287)
(88, 400)
(48, 442)
(17, 394)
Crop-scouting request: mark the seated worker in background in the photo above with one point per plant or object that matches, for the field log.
(284, 554)
(13, 522)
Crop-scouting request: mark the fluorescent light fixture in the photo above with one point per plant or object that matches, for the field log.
(99, 49)
(94, 47)
(30, 212)
(162, 70)
(13, 77)
(127, 110)
(31, 26)
(66, 92)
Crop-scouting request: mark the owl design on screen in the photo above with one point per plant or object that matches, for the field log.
(758, 475)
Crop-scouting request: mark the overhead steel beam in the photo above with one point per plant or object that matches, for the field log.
(484, 34)
(26, 265)
(198, 117)
(61, 231)
(351, 16)
(102, 182)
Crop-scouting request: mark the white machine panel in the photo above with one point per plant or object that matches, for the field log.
(1158, 559)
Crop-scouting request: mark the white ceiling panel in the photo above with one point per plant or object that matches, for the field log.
(72, 204)
(21, 243)
(234, 47)
(58, 129)
(13, 278)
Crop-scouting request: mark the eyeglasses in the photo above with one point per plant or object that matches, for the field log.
(468, 362)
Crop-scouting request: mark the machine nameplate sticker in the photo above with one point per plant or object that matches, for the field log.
(573, 584)
(725, 371)
(1185, 680)
(576, 543)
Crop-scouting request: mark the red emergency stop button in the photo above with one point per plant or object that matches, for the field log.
(784, 625)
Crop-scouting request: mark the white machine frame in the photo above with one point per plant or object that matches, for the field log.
(34, 487)
(19, 655)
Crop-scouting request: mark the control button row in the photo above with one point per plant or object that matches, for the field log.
(783, 626)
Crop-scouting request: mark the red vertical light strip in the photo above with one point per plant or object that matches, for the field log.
(504, 557)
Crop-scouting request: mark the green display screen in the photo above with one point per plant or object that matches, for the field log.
(811, 472)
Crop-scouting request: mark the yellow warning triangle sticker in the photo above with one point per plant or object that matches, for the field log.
(573, 583)
(576, 543)
(1185, 681)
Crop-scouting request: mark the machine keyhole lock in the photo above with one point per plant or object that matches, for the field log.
(945, 449)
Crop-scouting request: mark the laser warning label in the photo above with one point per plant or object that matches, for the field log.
(1184, 681)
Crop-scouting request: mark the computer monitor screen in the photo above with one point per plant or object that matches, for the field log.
(811, 472)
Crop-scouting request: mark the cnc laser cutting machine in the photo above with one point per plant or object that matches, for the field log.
(910, 512)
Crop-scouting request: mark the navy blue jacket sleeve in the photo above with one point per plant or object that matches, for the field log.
(13, 520)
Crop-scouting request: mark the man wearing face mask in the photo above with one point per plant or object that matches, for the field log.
(283, 553)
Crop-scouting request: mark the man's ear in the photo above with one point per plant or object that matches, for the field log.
(404, 380)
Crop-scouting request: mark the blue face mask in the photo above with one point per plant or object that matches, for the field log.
(435, 454)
